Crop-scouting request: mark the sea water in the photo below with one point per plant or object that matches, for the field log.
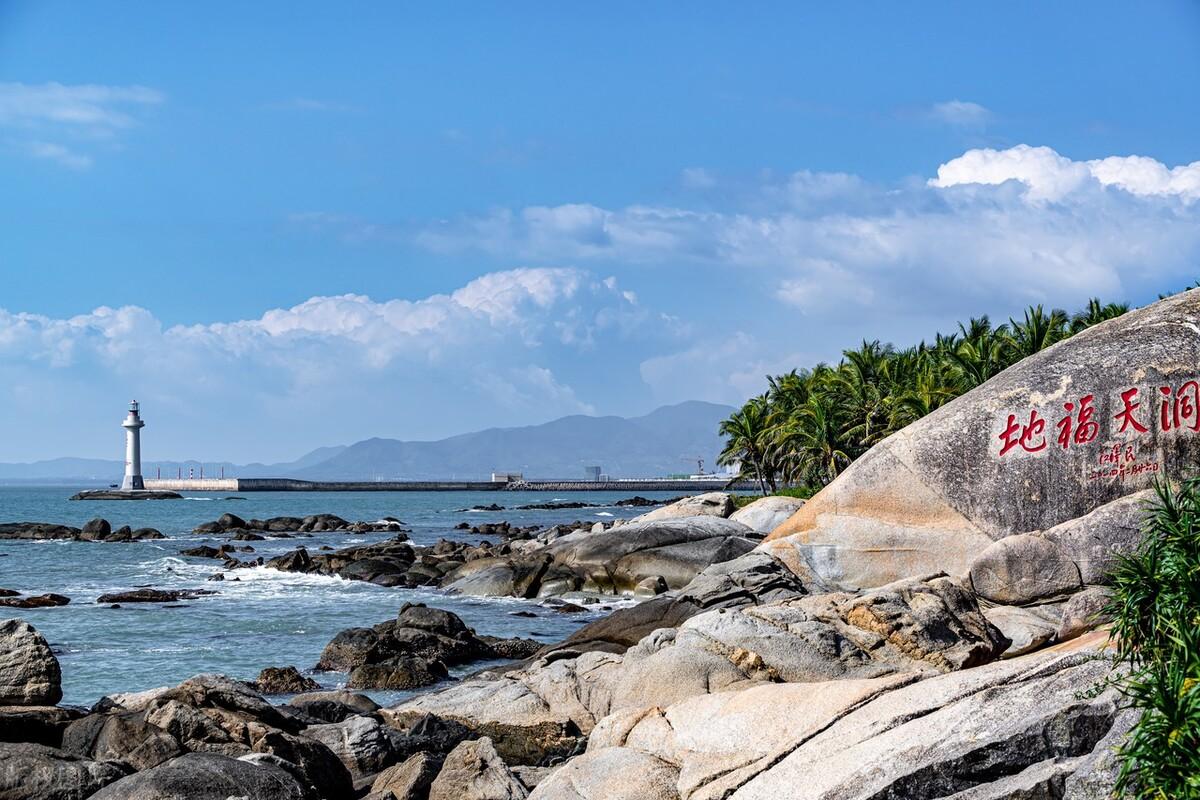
(267, 618)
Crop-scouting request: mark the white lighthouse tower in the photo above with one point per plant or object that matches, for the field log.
(133, 449)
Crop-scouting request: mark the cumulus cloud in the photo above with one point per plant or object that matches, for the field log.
(503, 348)
(993, 228)
(1050, 177)
(38, 113)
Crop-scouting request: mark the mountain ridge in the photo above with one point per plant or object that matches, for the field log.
(669, 439)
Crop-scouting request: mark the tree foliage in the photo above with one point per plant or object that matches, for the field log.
(811, 424)
(1155, 609)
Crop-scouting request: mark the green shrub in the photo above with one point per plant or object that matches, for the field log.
(1156, 627)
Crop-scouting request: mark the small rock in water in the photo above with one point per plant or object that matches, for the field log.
(38, 601)
(285, 680)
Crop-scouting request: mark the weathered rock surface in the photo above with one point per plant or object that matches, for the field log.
(474, 771)
(767, 513)
(126, 738)
(152, 595)
(938, 493)
(35, 601)
(413, 650)
(285, 680)
(207, 776)
(29, 671)
(1026, 628)
(411, 779)
(716, 504)
(894, 737)
(911, 627)
(1083, 612)
(363, 744)
(37, 772)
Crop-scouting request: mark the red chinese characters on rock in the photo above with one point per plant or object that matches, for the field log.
(1178, 409)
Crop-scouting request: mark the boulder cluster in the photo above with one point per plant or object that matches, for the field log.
(234, 525)
(97, 530)
(659, 551)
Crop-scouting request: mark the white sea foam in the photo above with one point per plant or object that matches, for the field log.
(603, 514)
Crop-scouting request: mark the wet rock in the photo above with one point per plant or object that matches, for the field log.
(36, 601)
(208, 776)
(37, 772)
(410, 651)
(285, 680)
(152, 595)
(37, 530)
(96, 529)
(474, 771)
(333, 706)
(29, 671)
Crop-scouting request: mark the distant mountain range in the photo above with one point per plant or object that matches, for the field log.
(666, 441)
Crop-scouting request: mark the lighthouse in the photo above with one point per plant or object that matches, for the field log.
(133, 449)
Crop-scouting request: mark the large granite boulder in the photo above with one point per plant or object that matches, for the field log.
(767, 513)
(120, 737)
(1079, 425)
(29, 671)
(715, 504)
(206, 776)
(890, 737)
(617, 559)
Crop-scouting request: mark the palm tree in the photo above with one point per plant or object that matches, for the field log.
(747, 432)
(1038, 331)
(1095, 313)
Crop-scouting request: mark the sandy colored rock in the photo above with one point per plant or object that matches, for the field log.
(767, 513)
(1083, 612)
(29, 671)
(1027, 628)
(937, 493)
(611, 774)
(1022, 569)
(409, 780)
(714, 504)
(473, 771)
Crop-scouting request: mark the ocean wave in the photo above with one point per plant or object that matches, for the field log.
(603, 514)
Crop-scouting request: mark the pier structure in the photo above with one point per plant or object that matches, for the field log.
(133, 425)
(293, 485)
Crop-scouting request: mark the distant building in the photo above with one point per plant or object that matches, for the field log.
(592, 473)
(507, 477)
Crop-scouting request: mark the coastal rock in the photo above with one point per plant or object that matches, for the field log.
(755, 578)
(36, 724)
(938, 493)
(362, 744)
(1022, 569)
(233, 524)
(120, 737)
(208, 776)
(677, 549)
(716, 504)
(883, 737)
(29, 671)
(411, 779)
(1027, 629)
(284, 680)
(1083, 612)
(37, 530)
(37, 772)
(333, 706)
(474, 771)
(410, 651)
(767, 513)
(35, 601)
(152, 596)
(613, 773)
(95, 529)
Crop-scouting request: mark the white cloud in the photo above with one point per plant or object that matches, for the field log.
(495, 351)
(1050, 177)
(42, 113)
(697, 178)
(993, 229)
(961, 113)
(59, 154)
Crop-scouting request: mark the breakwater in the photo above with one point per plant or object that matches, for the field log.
(293, 485)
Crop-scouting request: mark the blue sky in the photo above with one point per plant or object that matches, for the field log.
(542, 209)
